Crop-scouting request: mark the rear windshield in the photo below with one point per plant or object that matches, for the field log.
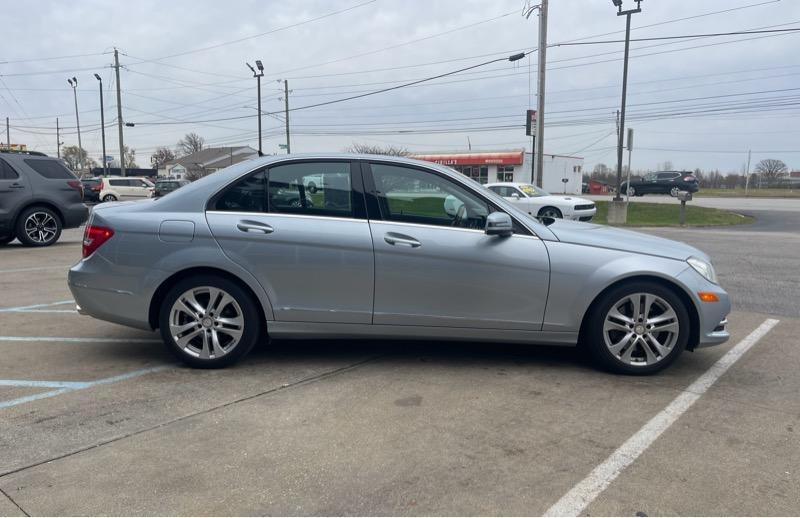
(50, 169)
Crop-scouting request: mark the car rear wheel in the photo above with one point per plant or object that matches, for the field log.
(209, 321)
(637, 328)
(38, 226)
(109, 197)
(631, 191)
(550, 212)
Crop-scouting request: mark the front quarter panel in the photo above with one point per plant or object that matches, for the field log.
(580, 273)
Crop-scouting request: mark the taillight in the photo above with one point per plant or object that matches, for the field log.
(689, 179)
(93, 237)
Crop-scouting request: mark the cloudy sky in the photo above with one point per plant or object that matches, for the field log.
(696, 102)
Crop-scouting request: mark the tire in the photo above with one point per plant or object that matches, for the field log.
(196, 346)
(674, 192)
(312, 187)
(630, 191)
(38, 226)
(109, 197)
(550, 212)
(620, 343)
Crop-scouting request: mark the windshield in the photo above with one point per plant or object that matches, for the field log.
(532, 191)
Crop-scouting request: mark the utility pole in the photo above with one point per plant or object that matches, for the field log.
(8, 135)
(627, 14)
(58, 139)
(119, 117)
(102, 125)
(286, 114)
(630, 151)
(541, 89)
(74, 84)
(258, 75)
(747, 174)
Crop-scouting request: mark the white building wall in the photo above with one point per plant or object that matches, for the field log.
(556, 168)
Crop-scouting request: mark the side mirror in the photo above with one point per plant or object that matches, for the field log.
(515, 195)
(499, 224)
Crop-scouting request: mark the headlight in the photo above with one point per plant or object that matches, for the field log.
(704, 268)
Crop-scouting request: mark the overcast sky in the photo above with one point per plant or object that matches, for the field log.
(694, 102)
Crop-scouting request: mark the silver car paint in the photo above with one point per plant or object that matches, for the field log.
(119, 280)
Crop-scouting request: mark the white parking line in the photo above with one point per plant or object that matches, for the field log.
(35, 306)
(75, 339)
(36, 269)
(62, 387)
(584, 493)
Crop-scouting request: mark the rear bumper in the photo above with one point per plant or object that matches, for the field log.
(75, 215)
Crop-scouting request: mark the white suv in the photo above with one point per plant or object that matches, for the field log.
(113, 188)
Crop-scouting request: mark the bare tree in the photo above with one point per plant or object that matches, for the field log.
(190, 143)
(771, 169)
(130, 158)
(161, 156)
(73, 155)
(369, 149)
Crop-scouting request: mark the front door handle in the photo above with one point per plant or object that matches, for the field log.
(254, 226)
(16, 186)
(401, 240)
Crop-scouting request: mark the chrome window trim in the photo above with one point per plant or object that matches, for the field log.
(286, 215)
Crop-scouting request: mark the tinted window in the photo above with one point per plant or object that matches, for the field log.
(418, 196)
(291, 190)
(118, 182)
(667, 176)
(90, 181)
(7, 172)
(246, 195)
(50, 169)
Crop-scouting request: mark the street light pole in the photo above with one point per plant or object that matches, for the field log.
(258, 75)
(74, 84)
(620, 140)
(102, 125)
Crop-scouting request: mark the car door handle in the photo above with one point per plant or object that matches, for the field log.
(254, 226)
(402, 240)
(16, 186)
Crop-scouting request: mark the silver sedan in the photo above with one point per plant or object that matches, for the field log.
(386, 248)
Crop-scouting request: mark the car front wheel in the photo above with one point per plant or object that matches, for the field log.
(550, 212)
(209, 321)
(674, 192)
(637, 328)
(109, 197)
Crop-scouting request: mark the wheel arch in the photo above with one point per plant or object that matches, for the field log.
(169, 282)
(677, 289)
(38, 203)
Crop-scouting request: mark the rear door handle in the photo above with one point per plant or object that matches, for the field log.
(16, 186)
(254, 226)
(401, 240)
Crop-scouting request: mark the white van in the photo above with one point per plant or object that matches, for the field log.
(115, 188)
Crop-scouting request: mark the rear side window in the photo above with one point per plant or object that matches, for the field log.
(50, 169)
(6, 171)
(667, 176)
(246, 195)
(118, 183)
(312, 188)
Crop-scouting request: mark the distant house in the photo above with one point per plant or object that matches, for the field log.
(206, 161)
(793, 180)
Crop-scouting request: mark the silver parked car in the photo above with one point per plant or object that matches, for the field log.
(390, 248)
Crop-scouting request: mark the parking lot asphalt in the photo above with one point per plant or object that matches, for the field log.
(97, 419)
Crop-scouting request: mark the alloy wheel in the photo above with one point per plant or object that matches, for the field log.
(41, 227)
(550, 213)
(674, 192)
(641, 329)
(631, 191)
(206, 322)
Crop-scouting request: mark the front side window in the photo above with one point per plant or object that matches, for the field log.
(312, 188)
(246, 195)
(649, 177)
(50, 169)
(418, 196)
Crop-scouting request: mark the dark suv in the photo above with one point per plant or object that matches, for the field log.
(167, 186)
(662, 182)
(39, 196)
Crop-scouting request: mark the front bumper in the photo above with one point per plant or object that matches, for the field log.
(712, 316)
(583, 215)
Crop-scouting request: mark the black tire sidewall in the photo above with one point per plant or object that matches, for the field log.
(559, 215)
(20, 227)
(252, 320)
(593, 332)
(109, 198)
